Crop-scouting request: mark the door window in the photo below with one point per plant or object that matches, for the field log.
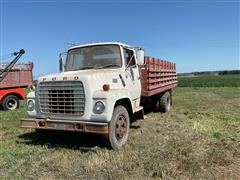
(129, 56)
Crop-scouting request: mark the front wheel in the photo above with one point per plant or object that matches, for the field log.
(119, 127)
(10, 102)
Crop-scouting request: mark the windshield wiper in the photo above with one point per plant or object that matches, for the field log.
(108, 65)
(86, 67)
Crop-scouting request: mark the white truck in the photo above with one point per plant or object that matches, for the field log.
(102, 87)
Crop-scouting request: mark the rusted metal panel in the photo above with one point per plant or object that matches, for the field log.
(157, 76)
(19, 76)
(81, 126)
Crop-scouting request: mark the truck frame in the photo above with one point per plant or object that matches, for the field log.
(103, 87)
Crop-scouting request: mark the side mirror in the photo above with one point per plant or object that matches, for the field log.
(60, 64)
(140, 56)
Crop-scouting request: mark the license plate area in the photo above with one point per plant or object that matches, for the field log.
(59, 126)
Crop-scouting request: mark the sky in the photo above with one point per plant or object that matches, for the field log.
(196, 35)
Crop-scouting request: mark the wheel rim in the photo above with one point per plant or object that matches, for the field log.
(11, 104)
(121, 127)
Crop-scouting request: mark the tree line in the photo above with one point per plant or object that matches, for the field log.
(223, 72)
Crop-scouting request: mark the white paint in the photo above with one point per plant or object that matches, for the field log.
(93, 80)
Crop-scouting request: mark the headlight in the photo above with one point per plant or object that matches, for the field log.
(30, 105)
(98, 107)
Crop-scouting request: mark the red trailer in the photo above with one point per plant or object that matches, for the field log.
(13, 79)
(19, 76)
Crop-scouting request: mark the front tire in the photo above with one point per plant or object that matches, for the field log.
(10, 102)
(119, 127)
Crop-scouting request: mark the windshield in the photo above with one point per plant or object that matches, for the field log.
(94, 57)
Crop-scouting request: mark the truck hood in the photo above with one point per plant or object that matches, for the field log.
(93, 77)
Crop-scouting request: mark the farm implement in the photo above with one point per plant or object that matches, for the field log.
(13, 79)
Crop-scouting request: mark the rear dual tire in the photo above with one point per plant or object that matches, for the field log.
(163, 102)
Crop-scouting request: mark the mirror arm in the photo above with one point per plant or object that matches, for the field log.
(61, 61)
(60, 65)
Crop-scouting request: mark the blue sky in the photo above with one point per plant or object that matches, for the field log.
(197, 35)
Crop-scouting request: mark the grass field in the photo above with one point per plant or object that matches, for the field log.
(198, 138)
(210, 81)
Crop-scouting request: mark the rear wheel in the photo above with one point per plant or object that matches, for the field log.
(163, 102)
(119, 127)
(10, 102)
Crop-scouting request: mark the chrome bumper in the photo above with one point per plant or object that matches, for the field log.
(81, 126)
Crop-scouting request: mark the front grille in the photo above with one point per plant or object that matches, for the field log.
(62, 97)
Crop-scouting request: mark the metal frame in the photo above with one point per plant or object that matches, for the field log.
(80, 126)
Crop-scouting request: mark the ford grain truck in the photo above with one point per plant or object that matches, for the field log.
(102, 87)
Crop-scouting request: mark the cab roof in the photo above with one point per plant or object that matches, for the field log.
(100, 43)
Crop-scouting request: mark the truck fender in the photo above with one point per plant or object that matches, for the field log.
(18, 92)
(126, 103)
(114, 98)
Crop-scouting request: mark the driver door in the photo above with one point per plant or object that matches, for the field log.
(132, 76)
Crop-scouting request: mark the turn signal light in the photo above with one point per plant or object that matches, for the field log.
(106, 87)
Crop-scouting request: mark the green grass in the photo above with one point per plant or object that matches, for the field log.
(198, 139)
(209, 81)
